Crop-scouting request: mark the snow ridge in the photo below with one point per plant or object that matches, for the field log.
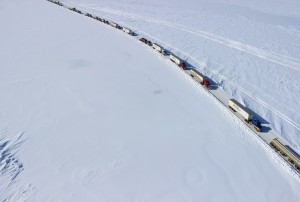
(9, 164)
(10, 168)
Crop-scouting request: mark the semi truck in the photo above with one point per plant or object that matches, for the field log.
(158, 48)
(74, 9)
(88, 15)
(245, 113)
(56, 2)
(115, 25)
(144, 40)
(200, 78)
(178, 61)
(128, 31)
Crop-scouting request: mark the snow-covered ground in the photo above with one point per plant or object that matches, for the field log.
(87, 113)
(251, 48)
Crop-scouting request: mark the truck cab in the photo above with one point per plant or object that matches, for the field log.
(183, 65)
(206, 83)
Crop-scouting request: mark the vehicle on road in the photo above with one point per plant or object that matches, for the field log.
(158, 48)
(178, 61)
(245, 113)
(203, 80)
(128, 31)
(292, 157)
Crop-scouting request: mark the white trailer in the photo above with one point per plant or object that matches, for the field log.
(158, 47)
(175, 59)
(243, 111)
(114, 24)
(197, 76)
(126, 30)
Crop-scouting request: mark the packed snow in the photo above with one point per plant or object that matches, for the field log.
(250, 48)
(88, 113)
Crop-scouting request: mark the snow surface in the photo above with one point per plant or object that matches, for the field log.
(88, 113)
(251, 48)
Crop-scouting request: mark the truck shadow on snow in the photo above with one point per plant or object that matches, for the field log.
(167, 52)
(134, 34)
(264, 122)
(213, 85)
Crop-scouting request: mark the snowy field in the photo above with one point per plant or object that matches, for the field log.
(250, 48)
(88, 113)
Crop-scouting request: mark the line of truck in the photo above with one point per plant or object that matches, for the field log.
(245, 113)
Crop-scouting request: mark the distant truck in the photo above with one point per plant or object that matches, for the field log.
(97, 18)
(56, 2)
(88, 15)
(75, 10)
(245, 113)
(200, 78)
(128, 31)
(144, 40)
(178, 61)
(158, 48)
(115, 25)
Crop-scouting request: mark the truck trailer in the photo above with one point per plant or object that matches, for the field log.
(200, 78)
(158, 48)
(178, 61)
(115, 25)
(245, 113)
(128, 31)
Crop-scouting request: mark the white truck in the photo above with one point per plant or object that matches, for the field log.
(114, 24)
(158, 48)
(175, 59)
(128, 31)
(245, 113)
(197, 75)
(178, 61)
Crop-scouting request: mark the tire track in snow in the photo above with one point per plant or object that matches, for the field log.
(282, 60)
